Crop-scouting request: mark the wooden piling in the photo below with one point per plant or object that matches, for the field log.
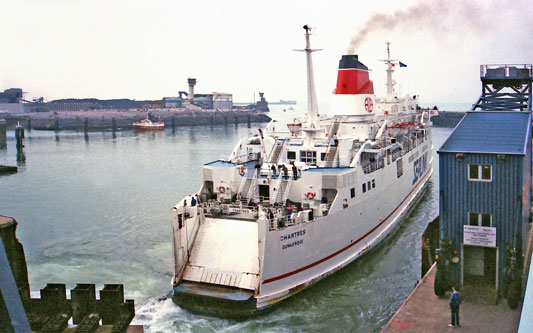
(3, 137)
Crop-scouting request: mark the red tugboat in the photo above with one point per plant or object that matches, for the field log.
(148, 125)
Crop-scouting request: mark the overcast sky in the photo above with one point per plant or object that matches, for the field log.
(147, 49)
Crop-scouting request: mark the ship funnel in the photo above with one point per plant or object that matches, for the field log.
(353, 77)
(192, 83)
(354, 92)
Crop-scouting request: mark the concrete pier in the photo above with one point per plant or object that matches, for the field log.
(423, 311)
(51, 312)
(102, 120)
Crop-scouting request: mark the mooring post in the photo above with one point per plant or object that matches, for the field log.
(56, 125)
(28, 124)
(3, 138)
(86, 125)
(236, 118)
(173, 121)
(113, 124)
(212, 120)
(19, 135)
(226, 119)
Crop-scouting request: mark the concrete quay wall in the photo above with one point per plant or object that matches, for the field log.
(123, 120)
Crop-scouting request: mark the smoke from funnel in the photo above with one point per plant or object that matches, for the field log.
(433, 16)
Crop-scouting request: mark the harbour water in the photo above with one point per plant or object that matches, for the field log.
(96, 209)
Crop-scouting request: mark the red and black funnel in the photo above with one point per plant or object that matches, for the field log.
(353, 78)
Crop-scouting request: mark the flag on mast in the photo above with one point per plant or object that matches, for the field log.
(402, 64)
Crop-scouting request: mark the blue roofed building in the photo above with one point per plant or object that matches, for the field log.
(484, 170)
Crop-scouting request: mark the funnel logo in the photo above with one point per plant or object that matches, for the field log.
(369, 105)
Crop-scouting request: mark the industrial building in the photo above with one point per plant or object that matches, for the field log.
(485, 182)
(213, 101)
(9, 100)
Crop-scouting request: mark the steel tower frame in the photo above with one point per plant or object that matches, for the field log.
(505, 88)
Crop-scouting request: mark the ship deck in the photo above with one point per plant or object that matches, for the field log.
(225, 253)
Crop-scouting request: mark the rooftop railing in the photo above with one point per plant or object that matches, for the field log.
(506, 71)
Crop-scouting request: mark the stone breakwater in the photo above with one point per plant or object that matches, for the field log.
(448, 119)
(123, 120)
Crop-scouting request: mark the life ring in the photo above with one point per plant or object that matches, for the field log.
(310, 195)
(221, 189)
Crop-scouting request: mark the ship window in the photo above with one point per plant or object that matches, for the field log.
(368, 185)
(322, 156)
(291, 155)
(479, 173)
(373, 183)
(352, 192)
(482, 220)
(364, 187)
(308, 156)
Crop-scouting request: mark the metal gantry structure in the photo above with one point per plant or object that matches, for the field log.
(505, 88)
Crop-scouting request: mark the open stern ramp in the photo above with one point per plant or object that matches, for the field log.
(225, 253)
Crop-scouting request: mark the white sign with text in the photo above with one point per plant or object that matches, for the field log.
(479, 236)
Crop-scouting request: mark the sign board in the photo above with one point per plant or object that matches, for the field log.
(240, 210)
(479, 236)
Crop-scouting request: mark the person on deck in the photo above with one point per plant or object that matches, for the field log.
(294, 171)
(289, 212)
(285, 171)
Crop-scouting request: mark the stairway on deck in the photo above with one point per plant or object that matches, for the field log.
(332, 151)
(281, 191)
(245, 190)
(275, 154)
(330, 157)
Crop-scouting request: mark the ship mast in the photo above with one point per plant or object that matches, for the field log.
(390, 70)
(312, 106)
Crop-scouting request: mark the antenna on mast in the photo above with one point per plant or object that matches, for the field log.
(312, 107)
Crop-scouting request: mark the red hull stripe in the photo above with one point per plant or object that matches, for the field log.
(353, 82)
(344, 248)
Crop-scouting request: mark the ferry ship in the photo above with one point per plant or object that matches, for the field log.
(292, 205)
